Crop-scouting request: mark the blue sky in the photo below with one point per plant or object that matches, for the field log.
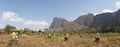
(38, 14)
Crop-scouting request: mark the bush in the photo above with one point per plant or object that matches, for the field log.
(9, 28)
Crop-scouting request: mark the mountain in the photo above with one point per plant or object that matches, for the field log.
(102, 21)
(85, 20)
(63, 25)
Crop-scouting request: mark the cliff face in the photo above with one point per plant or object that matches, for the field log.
(103, 21)
(85, 20)
(58, 22)
(63, 25)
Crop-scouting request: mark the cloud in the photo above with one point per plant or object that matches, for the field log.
(41, 23)
(95, 14)
(36, 25)
(11, 16)
(1, 26)
(16, 19)
(107, 10)
(118, 4)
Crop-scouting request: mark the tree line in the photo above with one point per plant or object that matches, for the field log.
(9, 29)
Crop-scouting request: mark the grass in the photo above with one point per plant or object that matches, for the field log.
(87, 40)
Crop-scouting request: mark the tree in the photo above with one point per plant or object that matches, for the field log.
(46, 29)
(9, 28)
(26, 30)
(40, 31)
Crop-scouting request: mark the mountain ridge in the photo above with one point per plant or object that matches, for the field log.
(103, 21)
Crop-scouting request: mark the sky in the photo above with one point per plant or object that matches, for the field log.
(39, 14)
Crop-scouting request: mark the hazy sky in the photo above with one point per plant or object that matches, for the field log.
(38, 14)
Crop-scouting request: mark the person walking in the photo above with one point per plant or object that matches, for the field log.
(97, 38)
(14, 37)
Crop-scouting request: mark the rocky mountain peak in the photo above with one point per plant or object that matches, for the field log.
(103, 21)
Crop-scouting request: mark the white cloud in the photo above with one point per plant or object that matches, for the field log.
(95, 14)
(40, 23)
(1, 26)
(11, 16)
(107, 10)
(8, 14)
(118, 4)
(36, 24)
(29, 22)
(16, 19)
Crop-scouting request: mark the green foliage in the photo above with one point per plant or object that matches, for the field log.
(9, 28)
(112, 30)
(21, 31)
(59, 32)
(85, 29)
(116, 29)
(46, 29)
(33, 31)
(102, 30)
(40, 31)
(25, 30)
(88, 30)
(55, 32)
